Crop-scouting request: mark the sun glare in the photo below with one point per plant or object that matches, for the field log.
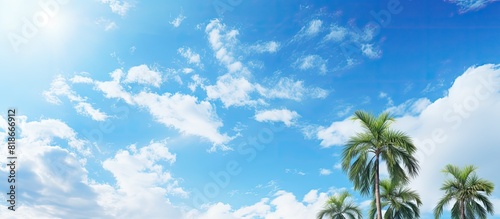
(26, 21)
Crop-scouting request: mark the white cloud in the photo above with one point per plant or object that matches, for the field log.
(287, 88)
(118, 7)
(186, 114)
(143, 75)
(187, 70)
(454, 129)
(178, 20)
(270, 47)
(258, 209)
(337, 33)
(231, 91)
(192, 57)
(312, 29)
(78, 79)
(113, 89)
(182, 112)
(234, 88)
(411, 107)
(59, 87)
(56, 184)
(446, 129)
(337, 133)
(311, 62)
(370, 52)
(470, 5)
(345, 111)
(107, 24)
(277, 115)
(324, 172)
(46, 130)
(282, 205)
(87, 109)
(293, 171)
(197, 82)
(140, 177)
(352, 44)
(223, 43)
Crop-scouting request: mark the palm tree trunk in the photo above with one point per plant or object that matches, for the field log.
(377, 189)
(462, 210)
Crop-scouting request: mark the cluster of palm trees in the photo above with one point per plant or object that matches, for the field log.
(379, 145)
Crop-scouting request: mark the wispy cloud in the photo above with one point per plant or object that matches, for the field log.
(295, 171)
(311, 62)
(288, 88)
(118, 7)
(59, 88)
(324, 172)
(178, 20)
(310, 30)
(192, 57)
(270, 47)
(470, 5)
(106, 24)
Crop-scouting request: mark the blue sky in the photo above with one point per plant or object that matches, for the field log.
(237, 109)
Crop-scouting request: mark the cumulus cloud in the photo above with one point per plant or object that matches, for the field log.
(143, 75)
(446, 130)
(55, 182)
(140, 168)
(282, 205)
(454, 129)
(223, 42)
(182, 112)
(337, 133)
(186, 114)
(277, 115)
(232, 91)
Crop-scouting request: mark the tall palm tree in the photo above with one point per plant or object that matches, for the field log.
(469, 192)
(401, 202)
(340, 207)
(363, 153)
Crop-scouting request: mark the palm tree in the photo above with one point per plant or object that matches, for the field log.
(340, 207)
(469, 192)
(401, 202)
(363, 153)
